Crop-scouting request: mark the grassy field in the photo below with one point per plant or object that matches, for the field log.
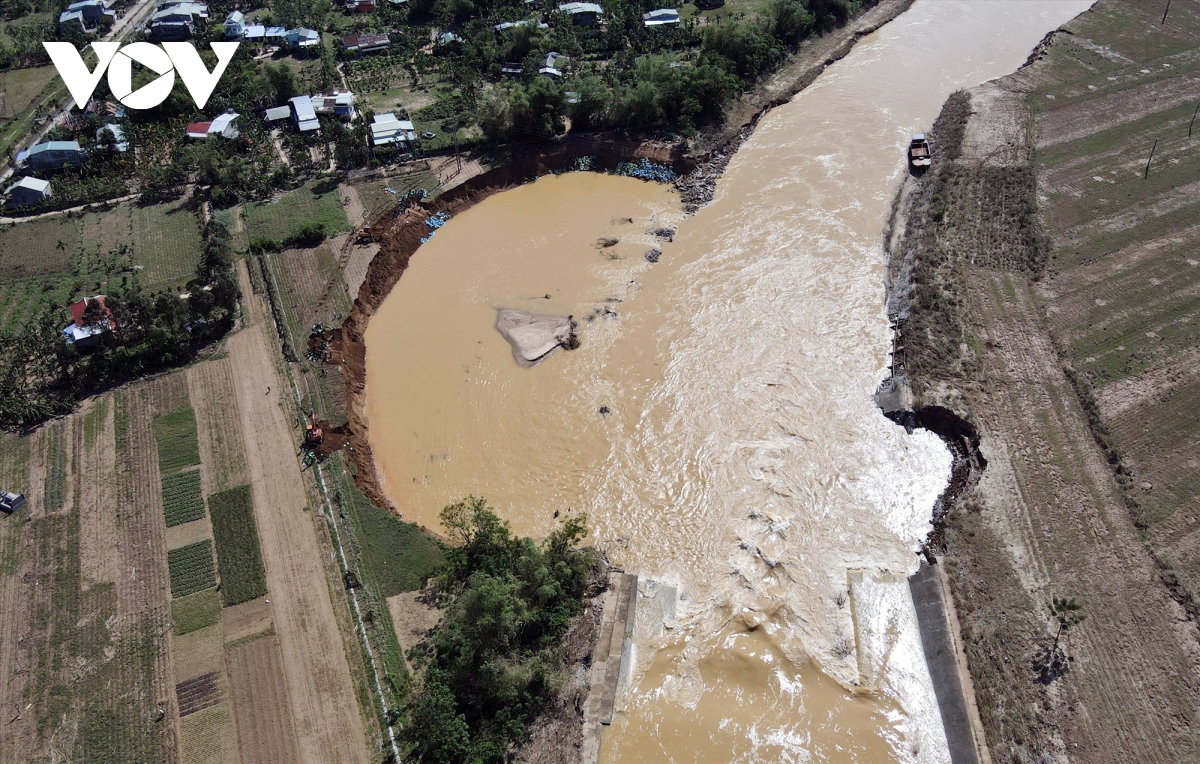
(176, 437)
(196, 611)
(191, 568)
(316, 202)
(182, 500)
(238, 554)
(19, 88)
(396, 555)
(166, 243)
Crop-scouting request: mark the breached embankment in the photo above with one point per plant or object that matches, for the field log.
(698, 167)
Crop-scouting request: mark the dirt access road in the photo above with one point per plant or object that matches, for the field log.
(320, 689)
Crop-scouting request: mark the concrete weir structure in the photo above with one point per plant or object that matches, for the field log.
(609, 660)
(947, 665)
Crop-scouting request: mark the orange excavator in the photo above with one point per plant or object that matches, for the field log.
(312, 431)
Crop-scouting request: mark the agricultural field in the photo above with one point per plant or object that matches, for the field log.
(1124, 296)
(239, 556)
(176, 436)
(182, 500)
(316, 202)
(191, 568)
(82, 645)
(196, 611)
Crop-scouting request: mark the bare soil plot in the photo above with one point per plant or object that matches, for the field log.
(247, 620)
(210, 387)
(87, 673)
(98, 526)
(264, 717)
(1062, 529)
(1124, 296)
(412, 619)
(321, 693)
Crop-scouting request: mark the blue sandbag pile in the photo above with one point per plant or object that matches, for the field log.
(435, 221)
(646, 170)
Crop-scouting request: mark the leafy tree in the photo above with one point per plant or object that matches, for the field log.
(491, 663)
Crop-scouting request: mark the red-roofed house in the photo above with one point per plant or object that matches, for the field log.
(91, 319)
(198, 129)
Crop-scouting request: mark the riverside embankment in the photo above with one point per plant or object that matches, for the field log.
(1040, 273)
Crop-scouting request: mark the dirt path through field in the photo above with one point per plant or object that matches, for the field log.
(319, 687)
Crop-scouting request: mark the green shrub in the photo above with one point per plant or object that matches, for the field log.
(492, 661)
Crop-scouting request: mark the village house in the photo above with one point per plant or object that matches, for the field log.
(118, 136)
(387, 130)
(11, 502)
(235, 25)
(339, 103)
(304, 114)
(277, 113)
(176, 21)
(222, 126)
(88, 14)
(661, 17)
(583, 14)
(91, 318)
(27, 192)
(302, 38)
(366, 43)
(52, 155)
(360, 6)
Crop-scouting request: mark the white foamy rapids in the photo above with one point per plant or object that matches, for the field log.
(736, 440)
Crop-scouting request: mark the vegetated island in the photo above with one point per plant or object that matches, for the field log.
(1043, 279)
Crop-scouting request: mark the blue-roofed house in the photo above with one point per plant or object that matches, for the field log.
(27, 192)
(52, 155)
(88, 14)
(661, 17)
(583, 14)
(235, 25)
(303, 38)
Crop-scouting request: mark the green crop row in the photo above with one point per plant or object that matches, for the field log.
(182, 500)
(191, 568)
(176, 437)
(238, 553)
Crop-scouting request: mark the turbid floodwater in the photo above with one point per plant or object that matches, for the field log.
(717, 424)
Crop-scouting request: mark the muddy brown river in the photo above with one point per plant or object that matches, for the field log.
(717, 424)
